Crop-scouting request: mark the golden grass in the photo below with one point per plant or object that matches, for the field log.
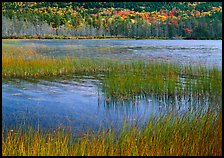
(168, 135)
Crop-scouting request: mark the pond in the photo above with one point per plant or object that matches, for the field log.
(79, 101)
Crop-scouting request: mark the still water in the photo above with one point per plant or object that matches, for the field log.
(79, 102)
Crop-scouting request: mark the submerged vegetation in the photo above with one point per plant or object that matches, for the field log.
(189, 134)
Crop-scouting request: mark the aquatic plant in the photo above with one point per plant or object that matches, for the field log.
(189, 134)
(123, 78)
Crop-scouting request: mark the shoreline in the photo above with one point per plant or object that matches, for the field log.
(104, 37)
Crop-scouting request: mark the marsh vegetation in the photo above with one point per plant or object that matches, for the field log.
(187, 135)
(189, 132)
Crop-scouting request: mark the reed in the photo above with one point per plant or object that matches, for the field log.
(156, 82)
(123, 78)
(190, 134)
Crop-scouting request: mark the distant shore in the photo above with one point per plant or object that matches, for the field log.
(107, 37)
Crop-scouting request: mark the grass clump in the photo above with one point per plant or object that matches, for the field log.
(123, 79)
(190, 134)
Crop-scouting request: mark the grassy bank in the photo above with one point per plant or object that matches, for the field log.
(189, 134)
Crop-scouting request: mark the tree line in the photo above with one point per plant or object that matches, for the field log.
(154, 19)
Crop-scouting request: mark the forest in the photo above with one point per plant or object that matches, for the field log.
(193, 20)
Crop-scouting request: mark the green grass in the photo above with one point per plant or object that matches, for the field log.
(190, 134)
(123, 79)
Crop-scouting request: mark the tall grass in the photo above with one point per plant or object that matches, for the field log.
(163, 79)
(190, 134)
(124, 79)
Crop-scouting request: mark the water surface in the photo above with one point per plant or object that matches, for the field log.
(79, 101)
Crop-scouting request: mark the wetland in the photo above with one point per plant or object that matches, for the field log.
(88, 85)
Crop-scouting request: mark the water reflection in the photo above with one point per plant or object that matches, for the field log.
(79, 103)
